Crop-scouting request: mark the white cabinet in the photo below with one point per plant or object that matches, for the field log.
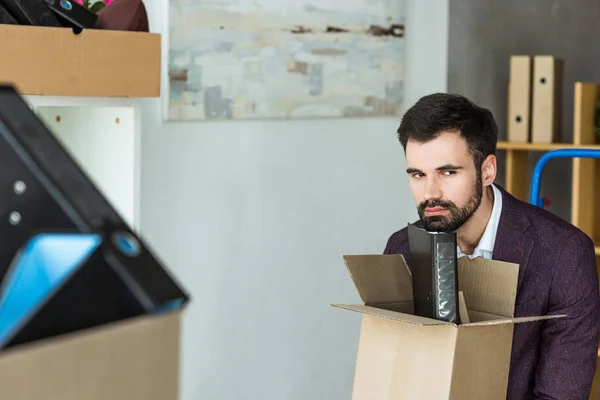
(103, 136)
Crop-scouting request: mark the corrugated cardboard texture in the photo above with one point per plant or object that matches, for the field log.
(481, 362)
(408, 363)
(489, 286)
(134, 360)
(55, 61)
(380, 279)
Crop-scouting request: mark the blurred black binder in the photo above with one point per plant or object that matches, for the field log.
(72, 14)
(31, 12)
(434, 274)
(67, 281)
(68, 261)
(6, 17)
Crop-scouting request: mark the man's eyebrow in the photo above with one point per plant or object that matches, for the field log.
(447, 167)
(441, 168)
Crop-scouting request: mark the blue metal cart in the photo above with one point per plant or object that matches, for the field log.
(536, 181)
(534, 198)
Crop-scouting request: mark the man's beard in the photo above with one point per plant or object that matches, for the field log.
(456, 216)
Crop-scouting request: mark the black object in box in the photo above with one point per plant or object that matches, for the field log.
(73, 14)
(434, 274)
(31, 12)
(44, 194)
(6, 17)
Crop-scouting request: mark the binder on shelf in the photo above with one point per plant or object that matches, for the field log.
(547, 86)
(519, 99)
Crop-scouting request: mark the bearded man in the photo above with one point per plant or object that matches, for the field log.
(450, 145)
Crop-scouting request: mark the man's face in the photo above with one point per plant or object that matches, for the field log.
(444, 181)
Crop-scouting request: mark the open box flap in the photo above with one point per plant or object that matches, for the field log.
(392, 315)
(518, 320)
(489, 286)
(380, 279)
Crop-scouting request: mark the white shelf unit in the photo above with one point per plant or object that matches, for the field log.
(87, 88)
(103, 135)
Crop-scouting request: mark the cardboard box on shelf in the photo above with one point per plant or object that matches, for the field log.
(54, 61)
(404, 356)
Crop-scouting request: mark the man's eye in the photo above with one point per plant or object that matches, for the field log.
(449, 172)
(417, 175)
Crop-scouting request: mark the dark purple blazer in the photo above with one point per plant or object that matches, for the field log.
(553, 359)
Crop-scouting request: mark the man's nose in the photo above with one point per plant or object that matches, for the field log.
(432, 189)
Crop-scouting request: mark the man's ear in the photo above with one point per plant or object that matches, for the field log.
(489, 170)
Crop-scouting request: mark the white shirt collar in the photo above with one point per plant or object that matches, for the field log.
(485, 247)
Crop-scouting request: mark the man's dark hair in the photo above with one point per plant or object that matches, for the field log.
(439, 112)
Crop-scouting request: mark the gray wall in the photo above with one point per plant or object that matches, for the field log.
(253, 218)
(483, 34)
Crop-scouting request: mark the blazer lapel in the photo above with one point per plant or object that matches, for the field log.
(512, 245)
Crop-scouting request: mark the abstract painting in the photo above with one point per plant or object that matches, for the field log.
(282, 59)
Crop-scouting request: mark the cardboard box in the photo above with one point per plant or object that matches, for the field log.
(135, 359)
(99, 63)
(403, 356)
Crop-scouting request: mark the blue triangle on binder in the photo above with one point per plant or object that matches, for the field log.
(42, 266)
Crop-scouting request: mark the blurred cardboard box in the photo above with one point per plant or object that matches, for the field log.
(135, 359)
